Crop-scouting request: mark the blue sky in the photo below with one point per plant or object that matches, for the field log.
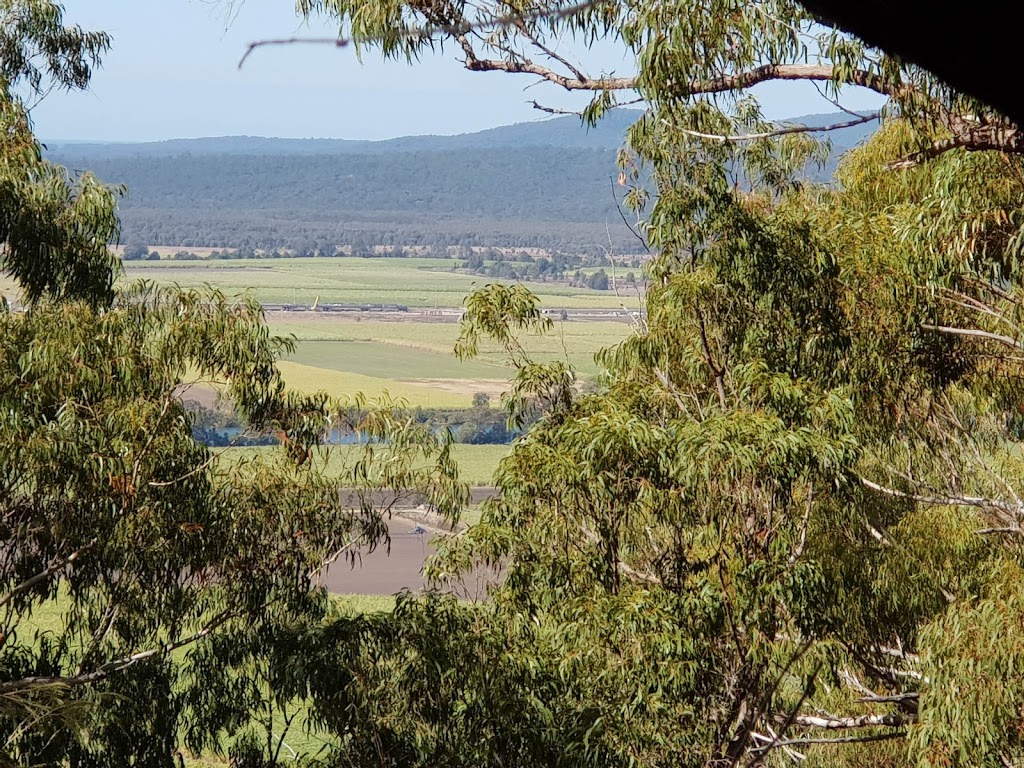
(172, 73)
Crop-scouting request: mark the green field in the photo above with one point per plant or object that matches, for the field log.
(344, 384)
(409, 359)
(413, 282)
(392, 361)
(575, 341)
(477, 463)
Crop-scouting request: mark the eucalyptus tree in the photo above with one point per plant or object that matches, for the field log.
(144, 579)
(687, 56)
(787, 528)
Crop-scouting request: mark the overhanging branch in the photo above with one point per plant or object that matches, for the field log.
(105, 670)
(952, 501)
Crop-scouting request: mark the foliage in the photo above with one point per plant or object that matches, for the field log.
(786, 527)
(131, 555)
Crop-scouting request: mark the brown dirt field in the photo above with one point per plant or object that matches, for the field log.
(388, 571)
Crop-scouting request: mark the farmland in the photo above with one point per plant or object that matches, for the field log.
(412, 282)
(424, 349)
(405, 355)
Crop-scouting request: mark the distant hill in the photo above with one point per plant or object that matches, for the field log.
(557, 132)
(544, 183)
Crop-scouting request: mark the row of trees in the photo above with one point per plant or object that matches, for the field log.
(479, 260)
(292, 230)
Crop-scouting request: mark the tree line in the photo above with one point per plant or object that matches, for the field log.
(536, 197)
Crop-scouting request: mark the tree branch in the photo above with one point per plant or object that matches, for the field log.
(953, 331)
(46, 573)
(427, 31)
(974, 138)
(781, 131)
(953, 501)
(840, 740)
(105, 670)
(892, 720)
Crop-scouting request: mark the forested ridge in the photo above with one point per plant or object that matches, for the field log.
(545, 184)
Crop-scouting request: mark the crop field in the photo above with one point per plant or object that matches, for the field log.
(387, 360)
(574, 341)
(413, 282)
(477, 463)
(409, 358)
(435, 393)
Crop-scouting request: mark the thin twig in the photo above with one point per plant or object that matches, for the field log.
(427, 31)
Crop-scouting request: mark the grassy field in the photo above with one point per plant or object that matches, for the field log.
(413, 282)
(410, 360)
(414, 361)
(477, 463)
(575, 341)
(342, 384)
(387, 360)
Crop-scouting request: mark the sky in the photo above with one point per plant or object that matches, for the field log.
(173, 73)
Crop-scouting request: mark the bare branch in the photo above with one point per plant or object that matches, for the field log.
(841, 740)
(976, 333)
(550, 53)
(337, 42)
(781, 131)
(46, 573)
(892, 720)
(954, 501)
(555, 110)
(428, 31)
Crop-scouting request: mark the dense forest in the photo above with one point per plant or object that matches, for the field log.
(519, 186)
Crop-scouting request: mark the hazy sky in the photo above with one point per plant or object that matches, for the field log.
(173, 73)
